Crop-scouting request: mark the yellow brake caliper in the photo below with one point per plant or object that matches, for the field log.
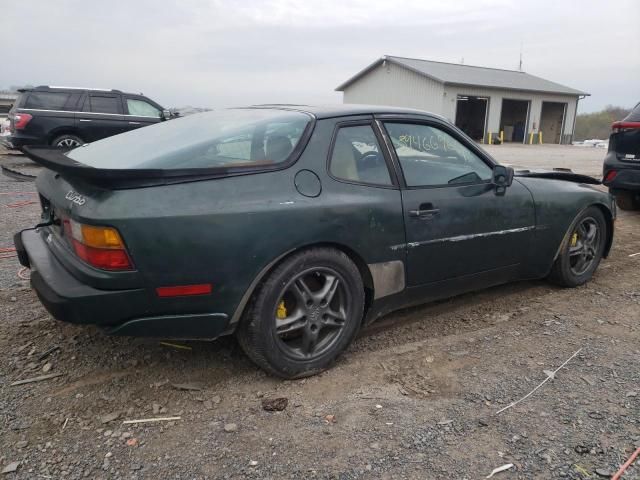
(574, 239)
(281, 312)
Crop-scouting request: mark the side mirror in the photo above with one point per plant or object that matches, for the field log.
(502, 178)
(166, 115)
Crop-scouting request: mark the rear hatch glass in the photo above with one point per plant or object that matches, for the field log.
(249, 137)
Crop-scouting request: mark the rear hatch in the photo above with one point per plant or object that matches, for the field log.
(103, 192)
(625, 137)
(68, 207)
(12, 113)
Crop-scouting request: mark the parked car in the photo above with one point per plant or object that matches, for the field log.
(293, 226)
(69, 117)
(622, 163)
(4, 127)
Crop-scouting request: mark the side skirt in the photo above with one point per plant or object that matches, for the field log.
(430, 292)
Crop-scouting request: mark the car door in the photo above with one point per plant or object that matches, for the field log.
(101, 116)
(456, 223)
(140, 112)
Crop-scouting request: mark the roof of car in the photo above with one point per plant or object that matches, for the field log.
(346, 109)
(56, 88)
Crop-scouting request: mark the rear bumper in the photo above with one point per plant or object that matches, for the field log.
(627, 173)
(626, 179)
(17, 141)
(122, 312)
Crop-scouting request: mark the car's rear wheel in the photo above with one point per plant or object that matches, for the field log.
(305, 314)
(627, 200)
(67, 141)
(581, 254)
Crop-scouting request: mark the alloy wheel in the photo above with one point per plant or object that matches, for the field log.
(584, 246)
(68, 143)
(311, 313)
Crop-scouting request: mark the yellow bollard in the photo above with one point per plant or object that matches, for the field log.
(531, 138)
(540, 138)
(501, 136)
(490, 139)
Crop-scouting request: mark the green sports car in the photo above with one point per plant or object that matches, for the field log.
(294, 226)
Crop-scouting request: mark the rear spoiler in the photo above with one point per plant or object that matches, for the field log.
(559, 174)
(56, 160)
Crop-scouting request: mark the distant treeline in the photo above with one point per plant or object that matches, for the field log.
(598, 124)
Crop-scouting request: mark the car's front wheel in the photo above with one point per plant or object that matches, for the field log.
(582, 252)
(305, 314)
(67, 141)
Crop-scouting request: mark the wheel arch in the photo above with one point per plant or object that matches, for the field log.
(609, 219)
(365, 274)
(53, 134)
(608, 216)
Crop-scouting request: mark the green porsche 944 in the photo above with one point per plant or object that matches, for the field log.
(293, 226)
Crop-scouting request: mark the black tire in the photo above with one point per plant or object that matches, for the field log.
(325, 273)
(581, 253)
(627, 200)
(67, 141)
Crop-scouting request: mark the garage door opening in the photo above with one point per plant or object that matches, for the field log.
(513, 120)
(552, 121)
(471, 116)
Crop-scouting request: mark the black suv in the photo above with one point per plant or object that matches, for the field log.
(67, 117)
(622, 163)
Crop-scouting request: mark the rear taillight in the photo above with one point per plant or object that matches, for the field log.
(100, 247)
(622, 126)
(611, 174)
(20, 120)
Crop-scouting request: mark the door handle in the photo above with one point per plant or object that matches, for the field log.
(84, 120)
(134, 123)
(425, 211)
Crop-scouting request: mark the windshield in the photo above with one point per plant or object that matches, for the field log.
(250, 137)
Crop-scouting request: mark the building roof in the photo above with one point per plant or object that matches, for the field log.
(457, 74)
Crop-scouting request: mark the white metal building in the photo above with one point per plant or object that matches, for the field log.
(486, 103)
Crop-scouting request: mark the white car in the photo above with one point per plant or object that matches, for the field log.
(4, 126)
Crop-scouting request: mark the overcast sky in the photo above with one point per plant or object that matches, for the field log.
(218, 53)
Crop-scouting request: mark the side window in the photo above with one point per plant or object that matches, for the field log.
(357, 157)
(142, 108)
(72, 102)
(429, 156)
(105, 104)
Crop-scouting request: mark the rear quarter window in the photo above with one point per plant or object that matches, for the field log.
(47, 100)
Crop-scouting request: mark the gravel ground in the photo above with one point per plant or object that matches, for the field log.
(19, 208)
(414, 397)
(586, 160)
